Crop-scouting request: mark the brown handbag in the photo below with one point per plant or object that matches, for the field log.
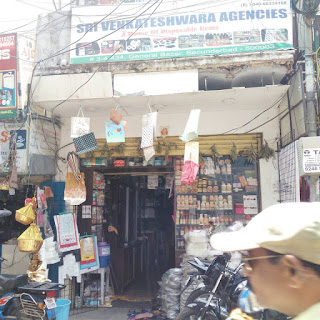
(115, 116)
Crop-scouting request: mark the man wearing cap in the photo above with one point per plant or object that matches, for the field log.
(281, 251)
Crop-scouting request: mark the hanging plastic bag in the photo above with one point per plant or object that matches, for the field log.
(30, 240)
(80, 125)
(189, 172)
(13, 181)
(25, 215)
(149, 124)
(148, 153)
(75, 188)
(115, 116)
(191, 152)
(192, 126)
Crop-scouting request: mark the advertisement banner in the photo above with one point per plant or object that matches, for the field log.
(21, 132)
(173, 29)
(8, 76)
(26, 54)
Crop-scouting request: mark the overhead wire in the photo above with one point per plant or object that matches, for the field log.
(120, 47)
(33, 21)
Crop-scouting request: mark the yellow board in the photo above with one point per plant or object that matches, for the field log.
(223, 145)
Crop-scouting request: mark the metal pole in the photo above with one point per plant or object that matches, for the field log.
(310, 95)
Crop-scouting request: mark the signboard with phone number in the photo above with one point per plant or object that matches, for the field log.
(179, 29)
(8, 76)
(311, 160)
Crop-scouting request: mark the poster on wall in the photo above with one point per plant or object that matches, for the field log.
(21, 135)
(89, 254)
(176, 29)
(250, 204)
(8, 76)
(26, 54)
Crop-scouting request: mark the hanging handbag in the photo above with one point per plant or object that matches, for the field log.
(75, 188)
(115, 116)
(80, 125)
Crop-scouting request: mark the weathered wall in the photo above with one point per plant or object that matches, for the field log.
(214, 122)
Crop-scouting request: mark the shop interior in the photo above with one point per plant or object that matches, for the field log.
(133, 213)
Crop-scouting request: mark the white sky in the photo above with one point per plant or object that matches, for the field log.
(16, 13)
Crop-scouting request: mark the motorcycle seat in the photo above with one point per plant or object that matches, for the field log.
(9, 282)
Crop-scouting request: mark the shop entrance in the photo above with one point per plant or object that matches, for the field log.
(140, 208)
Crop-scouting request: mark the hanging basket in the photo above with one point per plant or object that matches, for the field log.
(32, 246)
(85, 143)
(25, 215)
(30, 240)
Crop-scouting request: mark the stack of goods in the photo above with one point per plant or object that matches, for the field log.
(48, 252)
(197, 243)
(171, 287)
(187, 269)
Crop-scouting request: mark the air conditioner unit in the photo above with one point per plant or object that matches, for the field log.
(308, 152)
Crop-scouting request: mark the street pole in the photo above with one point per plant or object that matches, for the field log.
(311, 115)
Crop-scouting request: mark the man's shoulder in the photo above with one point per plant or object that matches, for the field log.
(311, 313)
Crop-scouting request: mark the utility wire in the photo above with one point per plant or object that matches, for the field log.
(33, 21)
(120, 47)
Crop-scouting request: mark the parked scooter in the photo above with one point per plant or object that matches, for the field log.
(22, 298)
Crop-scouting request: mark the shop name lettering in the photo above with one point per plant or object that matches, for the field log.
(184, 20)
(5, 54)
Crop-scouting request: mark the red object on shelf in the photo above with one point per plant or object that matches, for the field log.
(239, 208)
(119, 163)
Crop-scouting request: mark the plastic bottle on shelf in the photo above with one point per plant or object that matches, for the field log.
(201, 219)
(94, 199)
(178, 218)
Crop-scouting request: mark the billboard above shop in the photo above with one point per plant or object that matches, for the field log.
(174, 29)
(8, 76)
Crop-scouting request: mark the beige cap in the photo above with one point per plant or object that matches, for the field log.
(287, 228)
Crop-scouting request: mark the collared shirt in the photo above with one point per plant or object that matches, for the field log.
(311, 313)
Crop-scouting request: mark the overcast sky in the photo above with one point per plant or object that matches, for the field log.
(16, 13)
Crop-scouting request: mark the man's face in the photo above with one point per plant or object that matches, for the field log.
(267, 280)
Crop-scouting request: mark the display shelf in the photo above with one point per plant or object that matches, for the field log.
(203, 193)
(238, 174)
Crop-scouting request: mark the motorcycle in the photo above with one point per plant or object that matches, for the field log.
(22, 298)
(220, 295)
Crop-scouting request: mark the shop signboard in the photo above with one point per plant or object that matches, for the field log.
(135, 31)
(8, 76)
(26, 54)
(21, 132)
(311, 160)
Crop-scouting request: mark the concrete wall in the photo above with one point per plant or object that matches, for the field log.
(214, 122)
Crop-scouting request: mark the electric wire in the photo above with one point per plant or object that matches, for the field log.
(33, 21)
(159, 3)
(258, 115)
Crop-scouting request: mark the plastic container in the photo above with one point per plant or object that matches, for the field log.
(104, 254)
(62, 309)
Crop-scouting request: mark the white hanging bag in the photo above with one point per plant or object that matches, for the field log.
(80, 125)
